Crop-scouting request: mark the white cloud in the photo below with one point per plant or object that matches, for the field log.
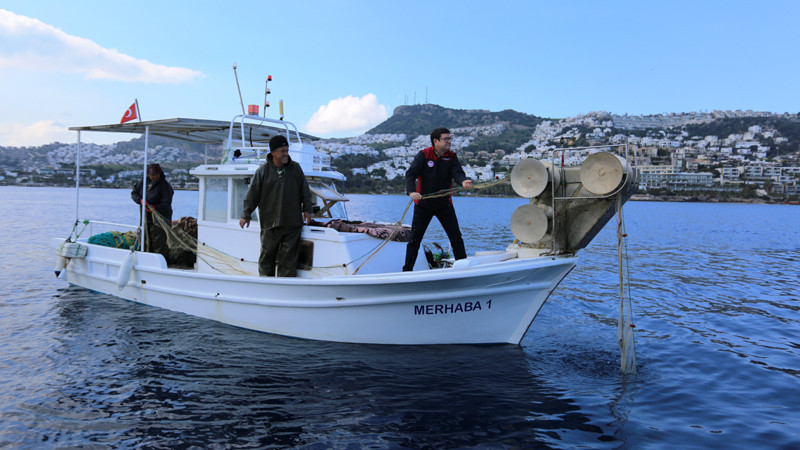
(347, 114)
(27, 43)
(21, 135)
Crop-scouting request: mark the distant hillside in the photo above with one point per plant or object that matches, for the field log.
(422, 119)
(190, 148)
(419, 120)
(19, 157)
(786, 127)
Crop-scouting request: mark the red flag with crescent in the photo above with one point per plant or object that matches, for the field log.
(130, 114)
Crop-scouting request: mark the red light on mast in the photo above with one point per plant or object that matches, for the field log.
(269, 77)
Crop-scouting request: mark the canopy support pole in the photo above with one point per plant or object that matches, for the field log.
(77, 177)
(143, 210)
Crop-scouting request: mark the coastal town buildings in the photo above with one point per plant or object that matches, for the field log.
(669, 157)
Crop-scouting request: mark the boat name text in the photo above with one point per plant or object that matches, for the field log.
(451, 308)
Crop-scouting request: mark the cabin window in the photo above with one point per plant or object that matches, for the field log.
(326, 202)
(240, 187)
(215, 204)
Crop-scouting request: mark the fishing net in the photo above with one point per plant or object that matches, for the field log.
(114, 239)
(184, 248)
(625, 324)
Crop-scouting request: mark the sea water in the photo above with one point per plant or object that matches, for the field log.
(716, 308)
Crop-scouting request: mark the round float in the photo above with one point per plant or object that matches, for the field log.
(602, 173)
(529, 177)
(529, 223)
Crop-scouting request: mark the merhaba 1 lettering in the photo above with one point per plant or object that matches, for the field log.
(451, 308)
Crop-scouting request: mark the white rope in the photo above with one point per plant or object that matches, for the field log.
(442, 193)
(224, 263)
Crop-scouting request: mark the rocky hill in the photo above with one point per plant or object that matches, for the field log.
(421, 119)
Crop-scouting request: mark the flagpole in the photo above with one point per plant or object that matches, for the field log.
(138, 111)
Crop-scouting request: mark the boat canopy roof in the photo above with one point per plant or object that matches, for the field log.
(201, 131)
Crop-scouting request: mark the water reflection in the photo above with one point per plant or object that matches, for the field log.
(138, 375)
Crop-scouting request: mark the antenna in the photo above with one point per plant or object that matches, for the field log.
(237, 87)
(266, 91)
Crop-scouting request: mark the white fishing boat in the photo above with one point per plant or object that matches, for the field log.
(350, 285)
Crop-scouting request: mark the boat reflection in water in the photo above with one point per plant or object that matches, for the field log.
(156, 375)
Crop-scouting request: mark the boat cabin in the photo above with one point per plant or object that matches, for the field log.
(325, 251)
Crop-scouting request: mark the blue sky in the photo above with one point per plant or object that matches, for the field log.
(341, 67)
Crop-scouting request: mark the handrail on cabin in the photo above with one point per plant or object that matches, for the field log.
(242, 117)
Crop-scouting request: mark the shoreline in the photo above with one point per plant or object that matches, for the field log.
(641, 197)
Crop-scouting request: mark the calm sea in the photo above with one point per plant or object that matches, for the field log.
(716, 308)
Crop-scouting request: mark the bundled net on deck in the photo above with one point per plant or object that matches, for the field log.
(115, 239)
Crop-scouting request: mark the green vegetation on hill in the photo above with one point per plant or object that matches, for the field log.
(346, 163)
(509, 140)
(361, 182)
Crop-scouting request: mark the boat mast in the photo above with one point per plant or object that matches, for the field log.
(266, 92)
(238, 88)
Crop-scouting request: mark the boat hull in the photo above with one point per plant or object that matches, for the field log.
(487, 303)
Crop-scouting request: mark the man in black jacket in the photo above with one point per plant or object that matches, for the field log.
(158, 197)
(434, 169)
(280, 192)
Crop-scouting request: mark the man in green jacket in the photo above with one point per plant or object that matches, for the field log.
(280, 192)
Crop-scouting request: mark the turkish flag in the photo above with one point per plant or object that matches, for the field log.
(130, 114)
